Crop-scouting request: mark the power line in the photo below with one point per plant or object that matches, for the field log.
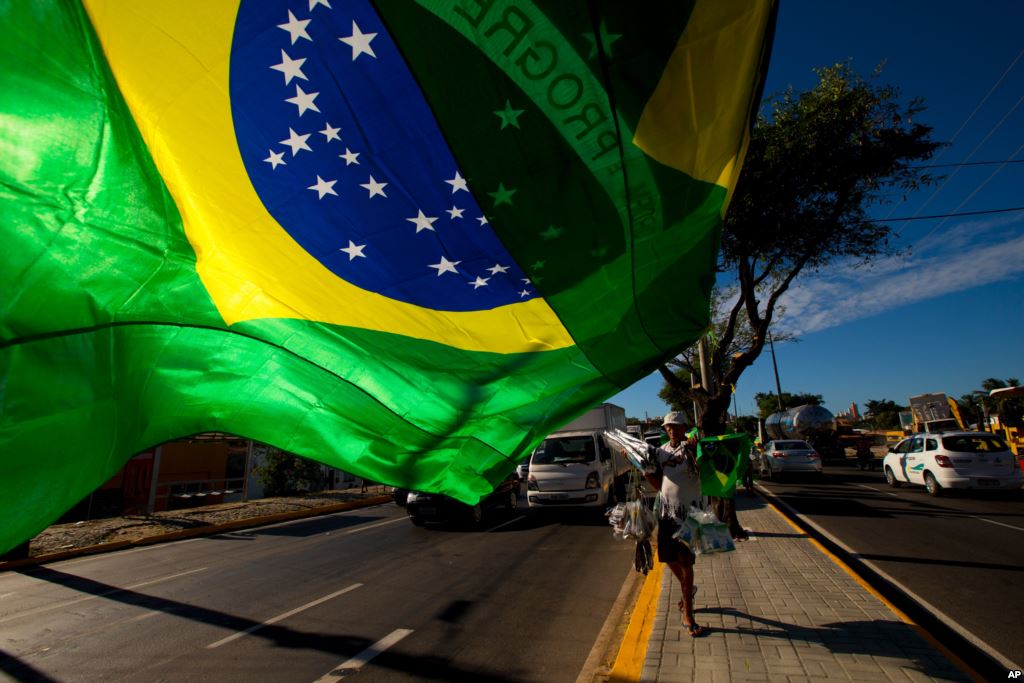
(971, 163)
(953, 215)
(964, 124)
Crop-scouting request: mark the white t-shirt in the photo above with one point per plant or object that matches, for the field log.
(680, 485)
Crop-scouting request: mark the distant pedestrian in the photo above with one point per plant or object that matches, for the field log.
(675, 476)
(865, 458)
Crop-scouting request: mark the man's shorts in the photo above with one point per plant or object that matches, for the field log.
(671, 550)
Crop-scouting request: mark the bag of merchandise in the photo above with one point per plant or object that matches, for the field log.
(712, 535)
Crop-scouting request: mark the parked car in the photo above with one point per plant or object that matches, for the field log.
(953, 460)
(788, 456)
(400, 496)
(435, 507)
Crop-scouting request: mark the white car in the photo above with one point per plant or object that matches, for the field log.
(788, 456)
(953, 460)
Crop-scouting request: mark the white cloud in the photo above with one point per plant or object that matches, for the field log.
(845, 294)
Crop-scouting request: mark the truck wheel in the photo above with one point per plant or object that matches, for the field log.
(890, 478)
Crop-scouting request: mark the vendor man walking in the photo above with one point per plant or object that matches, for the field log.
(675, 475)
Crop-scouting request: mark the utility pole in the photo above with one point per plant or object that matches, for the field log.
(775, 367)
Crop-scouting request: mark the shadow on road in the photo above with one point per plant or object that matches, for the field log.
(342, 645)
(20, 670)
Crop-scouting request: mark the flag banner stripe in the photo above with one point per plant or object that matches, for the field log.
(404, 239)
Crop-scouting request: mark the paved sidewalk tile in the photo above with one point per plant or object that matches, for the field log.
(779, 609)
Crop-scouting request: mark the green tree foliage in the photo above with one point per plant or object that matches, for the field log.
(284, 474)
(817, 160)
(883, 413)
(977, 405)
(768, 402)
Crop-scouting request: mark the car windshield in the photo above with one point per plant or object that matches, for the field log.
(564, 449)
(974, 443)
(792, 446)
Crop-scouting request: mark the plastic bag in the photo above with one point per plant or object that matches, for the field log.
(708, 533)
(617, 518)
(632, 521)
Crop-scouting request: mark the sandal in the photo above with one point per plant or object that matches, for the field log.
(695, 630)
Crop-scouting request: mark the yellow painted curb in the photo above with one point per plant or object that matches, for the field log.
(208, 530)
(630, 660)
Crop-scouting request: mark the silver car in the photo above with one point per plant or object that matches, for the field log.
(788, 456)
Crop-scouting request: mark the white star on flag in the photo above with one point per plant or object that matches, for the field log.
(479, 282)
(458, 183)
(296, 142)
(445, 266)
(323, 187)
(455, 212)
(376, 188)
(523, 294)
(353, 250)
(525, 280)
(497, 268)
(350, 157)
(291, 68)
(422, 222)
(296, 28)
(483, 220)
(360, 42)
(303, 100)
(314, 3)
(275, 159)
(331, 133)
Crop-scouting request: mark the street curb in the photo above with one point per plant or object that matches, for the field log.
(629, 661)
(611, 639)
(209, 530)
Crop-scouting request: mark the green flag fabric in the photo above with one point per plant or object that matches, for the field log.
(406, 239)
(722, 462)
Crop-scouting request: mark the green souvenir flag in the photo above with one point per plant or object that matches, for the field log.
(406, 239)
(722, 462)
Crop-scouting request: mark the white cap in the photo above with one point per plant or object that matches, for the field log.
(676, 418)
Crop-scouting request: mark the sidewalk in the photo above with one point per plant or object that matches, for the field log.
(781, 609)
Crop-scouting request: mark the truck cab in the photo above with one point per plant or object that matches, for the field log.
(576, 468)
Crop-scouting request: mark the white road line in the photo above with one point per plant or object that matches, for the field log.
(363, 657)
(66, 603)
(992, 521)
(367, 527)
(872, 488)
(279, 617)
(511, 521)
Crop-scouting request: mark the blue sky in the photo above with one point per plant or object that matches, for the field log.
(951, 313)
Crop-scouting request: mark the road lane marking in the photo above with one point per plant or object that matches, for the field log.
(279, 617)
(67, 603)
(363, 657)
(367, 527)
(507, 523)
(877, 491)
(992, 521)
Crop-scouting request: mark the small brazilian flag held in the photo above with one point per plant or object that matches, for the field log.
(722, 462)
(406, 238)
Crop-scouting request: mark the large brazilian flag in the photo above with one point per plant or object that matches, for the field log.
(407, 239)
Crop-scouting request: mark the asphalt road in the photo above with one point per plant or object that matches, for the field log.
(362, 593)
(962, 553)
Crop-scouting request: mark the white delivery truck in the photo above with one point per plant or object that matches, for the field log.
(577, 466)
